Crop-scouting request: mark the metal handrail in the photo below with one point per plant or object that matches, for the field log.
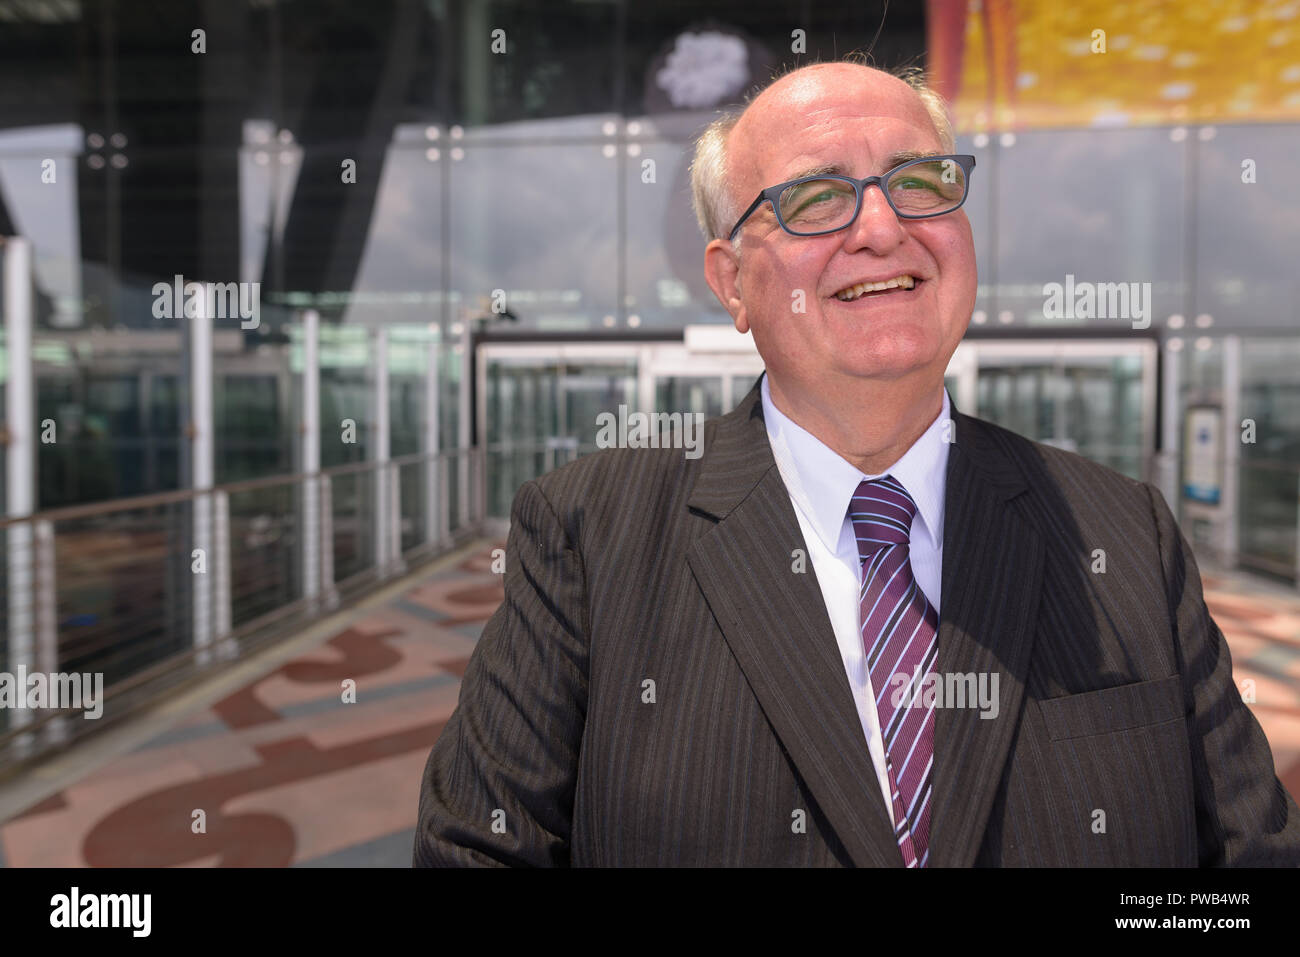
(183, 623)
(91, 509)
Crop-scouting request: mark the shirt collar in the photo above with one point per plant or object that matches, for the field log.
(822, 483)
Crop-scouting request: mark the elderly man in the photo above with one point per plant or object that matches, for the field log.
(863, 628)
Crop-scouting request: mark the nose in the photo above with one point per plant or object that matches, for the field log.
(877, 227)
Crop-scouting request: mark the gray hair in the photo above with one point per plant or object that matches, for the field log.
(716, 209)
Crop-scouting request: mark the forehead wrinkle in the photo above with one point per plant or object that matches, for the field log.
(826, 137)
(895, 159)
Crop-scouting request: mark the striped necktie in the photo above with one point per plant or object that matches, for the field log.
(900, 630)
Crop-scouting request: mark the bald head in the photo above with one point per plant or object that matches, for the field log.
(726, 154)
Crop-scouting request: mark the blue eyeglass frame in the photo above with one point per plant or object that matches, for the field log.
(773, 194)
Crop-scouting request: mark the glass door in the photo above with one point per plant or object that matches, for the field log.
(689, 393)
(710, 371)
(1093, 397)
(537, 407)
(537, 403)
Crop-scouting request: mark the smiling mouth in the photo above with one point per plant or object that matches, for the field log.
(858, 290)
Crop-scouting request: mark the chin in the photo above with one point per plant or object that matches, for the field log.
(883, 366)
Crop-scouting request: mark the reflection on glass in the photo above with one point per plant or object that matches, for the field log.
(689, 394)
(541, 413)
(1269, 513)
(1103, 206)
(1248, 227)
(116, 419)
(589, 390)
(1088, 405)
(540, 225)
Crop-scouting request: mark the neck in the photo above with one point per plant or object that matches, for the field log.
(871, 423)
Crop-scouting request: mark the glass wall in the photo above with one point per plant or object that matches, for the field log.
(1270, 465)
(521, 170)
(395, 163)
(542, 411)
(1086, 404)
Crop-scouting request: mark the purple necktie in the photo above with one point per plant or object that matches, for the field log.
(900, 630)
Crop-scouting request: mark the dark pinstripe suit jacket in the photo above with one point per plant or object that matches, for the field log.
(1120, 737)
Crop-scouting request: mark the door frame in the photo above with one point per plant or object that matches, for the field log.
(718, 350)
(706, 350)
(972, 353)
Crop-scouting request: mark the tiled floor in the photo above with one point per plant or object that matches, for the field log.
(284, 772)
(1261, 622)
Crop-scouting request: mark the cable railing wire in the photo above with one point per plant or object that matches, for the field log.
(162, 588)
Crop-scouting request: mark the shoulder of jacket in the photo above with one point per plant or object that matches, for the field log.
(623, 474)
(1036, 460)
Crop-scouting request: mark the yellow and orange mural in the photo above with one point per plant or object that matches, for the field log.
(1026, 64)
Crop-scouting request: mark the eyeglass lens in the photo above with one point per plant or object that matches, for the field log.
(919, 189)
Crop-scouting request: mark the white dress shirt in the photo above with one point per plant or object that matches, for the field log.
(821, 484)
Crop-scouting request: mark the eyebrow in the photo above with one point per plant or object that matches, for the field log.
(893, 160)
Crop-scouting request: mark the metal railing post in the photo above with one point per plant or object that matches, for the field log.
(201, 607)
(20, 464)
(395, 564)
(379, 448)
(221, 597)
(1231, 435)
(463, 438)
(444, 500)
(329, 594)
(204, 462)
(309, 512)
(45, 597)
(432, 440)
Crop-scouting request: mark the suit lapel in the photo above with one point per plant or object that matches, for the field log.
(774, 621)
(992, 576)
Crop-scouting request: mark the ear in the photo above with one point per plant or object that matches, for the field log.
(722, 270)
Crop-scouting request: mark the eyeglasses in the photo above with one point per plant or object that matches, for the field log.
(816, 205)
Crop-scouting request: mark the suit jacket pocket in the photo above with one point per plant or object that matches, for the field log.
(1114, 709)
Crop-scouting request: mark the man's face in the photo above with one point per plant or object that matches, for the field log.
(855, 119)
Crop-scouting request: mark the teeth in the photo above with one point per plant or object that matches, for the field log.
(853, 292)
